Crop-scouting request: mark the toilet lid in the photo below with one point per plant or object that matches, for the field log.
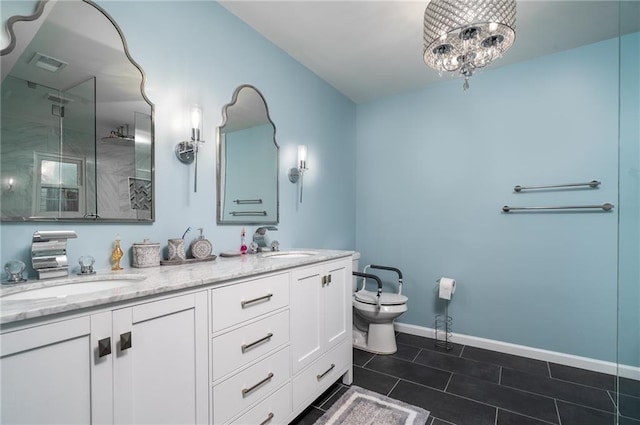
(385, 299)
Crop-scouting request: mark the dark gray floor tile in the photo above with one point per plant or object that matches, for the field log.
(510, 418)
(575, 393)
(486, 371)
(308, 417)
(572, 414)
(522, 402)
(360, 358)
(426, 343)
(582, 376)
(627, 421)
(525, 364)
(410, 371)
(448, 407)
(437, 421)
(373, 381)
(629, 406)
(326, 403)
(629, 387)
(406, 352)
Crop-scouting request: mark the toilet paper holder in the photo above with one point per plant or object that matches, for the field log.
(443, 325)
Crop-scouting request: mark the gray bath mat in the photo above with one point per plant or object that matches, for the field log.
(362, 407)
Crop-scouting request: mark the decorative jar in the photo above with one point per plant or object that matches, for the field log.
(146, 254)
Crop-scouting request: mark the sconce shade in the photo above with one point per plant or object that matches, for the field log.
(196, 123)
(302, 157)
(295, 174)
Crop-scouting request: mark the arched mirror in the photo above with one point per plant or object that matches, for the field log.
(247, 165)
(77, 127)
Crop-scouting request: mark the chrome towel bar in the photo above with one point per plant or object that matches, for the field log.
(248, 201)
(245, 213)
(592, 184)
(605, 207)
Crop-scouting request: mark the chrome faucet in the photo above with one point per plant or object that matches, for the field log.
(260, 236)
(49, 253)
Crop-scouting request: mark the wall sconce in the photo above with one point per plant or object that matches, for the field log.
(295, 174)
(187, 151)
(11, 181)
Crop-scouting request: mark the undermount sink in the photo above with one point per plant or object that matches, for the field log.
(290, 254)
(61, 291)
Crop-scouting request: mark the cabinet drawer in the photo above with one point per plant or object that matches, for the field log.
(321, 374)
(235, 349)
(237, 303)
(274, 410)
(249, 386)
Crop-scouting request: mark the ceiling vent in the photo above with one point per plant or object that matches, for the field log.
(47, 63)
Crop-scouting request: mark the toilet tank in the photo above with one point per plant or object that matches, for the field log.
(355, 260)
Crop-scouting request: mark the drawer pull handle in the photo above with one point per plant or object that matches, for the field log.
(246, 347)
(266, 421)
(319, 377)
(104, 347)
(246, 391)
(125, 341)
(255, 300)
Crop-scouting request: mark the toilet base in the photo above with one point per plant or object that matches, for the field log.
(380, 339)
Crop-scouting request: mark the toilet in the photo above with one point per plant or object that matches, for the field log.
(373, 329)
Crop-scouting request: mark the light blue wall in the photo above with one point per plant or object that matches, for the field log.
(435, 166)
(629, 227)
(197, 52)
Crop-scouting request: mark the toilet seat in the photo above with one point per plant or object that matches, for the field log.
(368, 297)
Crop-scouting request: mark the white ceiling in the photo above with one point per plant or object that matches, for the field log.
(371, 49)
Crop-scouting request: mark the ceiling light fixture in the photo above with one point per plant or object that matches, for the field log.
(463, 35)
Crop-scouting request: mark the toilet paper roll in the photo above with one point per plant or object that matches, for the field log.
(447, 288)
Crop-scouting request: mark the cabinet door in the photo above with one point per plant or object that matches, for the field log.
(306, 311)
(55, 373)
(336, 294)
(160, 367)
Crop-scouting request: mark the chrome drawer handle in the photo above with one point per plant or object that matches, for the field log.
(246, 391)
(266, 421)
(255, 300)
(319, 377)
(246, 347)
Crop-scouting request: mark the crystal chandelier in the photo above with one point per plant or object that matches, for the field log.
(464, 35)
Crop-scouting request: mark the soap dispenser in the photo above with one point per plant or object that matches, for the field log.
(200, 247)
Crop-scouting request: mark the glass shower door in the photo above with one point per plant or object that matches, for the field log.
(628, 385)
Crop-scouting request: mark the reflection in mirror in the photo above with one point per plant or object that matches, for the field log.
(247, 165)
(77, 128)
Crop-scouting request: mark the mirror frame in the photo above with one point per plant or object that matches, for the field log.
(219, 192)
(42, 4)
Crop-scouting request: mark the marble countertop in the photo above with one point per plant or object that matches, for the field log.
(145, 282)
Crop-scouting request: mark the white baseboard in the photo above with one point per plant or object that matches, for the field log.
(611, 368)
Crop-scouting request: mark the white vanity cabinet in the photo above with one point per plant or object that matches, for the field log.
(146, 363)
(162, 378)
(279, 341)
(52, 374)
(320, 328)
(250, 353)
(252, 348)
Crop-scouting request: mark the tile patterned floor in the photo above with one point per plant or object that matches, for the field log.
(473, 386)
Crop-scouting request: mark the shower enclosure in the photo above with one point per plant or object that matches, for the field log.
(628, 358)
(47, 164)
